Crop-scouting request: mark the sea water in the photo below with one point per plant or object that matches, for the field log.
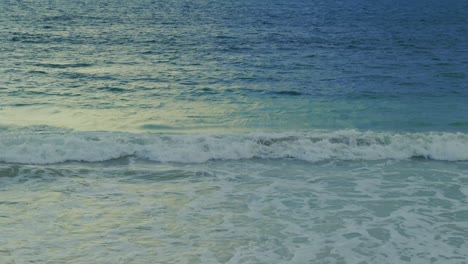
(219, 131)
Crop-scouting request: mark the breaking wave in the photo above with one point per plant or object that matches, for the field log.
(49, 148)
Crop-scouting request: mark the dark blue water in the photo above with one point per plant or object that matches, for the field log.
(385, 66)
(233, 131)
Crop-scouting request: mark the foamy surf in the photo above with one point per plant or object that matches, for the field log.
(311, 146)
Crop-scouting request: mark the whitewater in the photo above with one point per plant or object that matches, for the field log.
(50, 148)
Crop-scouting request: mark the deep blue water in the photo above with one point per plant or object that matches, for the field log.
(302, 64)
(233, 131)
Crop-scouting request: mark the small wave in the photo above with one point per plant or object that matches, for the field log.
(312, 146)
(64, 65)
(290, 93)
(112, 89)
(458, 124)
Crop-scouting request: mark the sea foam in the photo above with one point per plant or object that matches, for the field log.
(312, 146)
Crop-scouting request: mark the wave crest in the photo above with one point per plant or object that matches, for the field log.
(33, 148)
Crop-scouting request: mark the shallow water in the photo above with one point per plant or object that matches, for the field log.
(233, 132)
(252, 211)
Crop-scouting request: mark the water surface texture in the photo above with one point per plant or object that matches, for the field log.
(173, 131)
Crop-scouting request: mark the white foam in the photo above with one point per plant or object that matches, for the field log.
(311, 146)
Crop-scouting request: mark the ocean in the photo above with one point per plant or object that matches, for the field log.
(215, 131)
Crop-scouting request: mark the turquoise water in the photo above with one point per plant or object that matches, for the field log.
(233, 132)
